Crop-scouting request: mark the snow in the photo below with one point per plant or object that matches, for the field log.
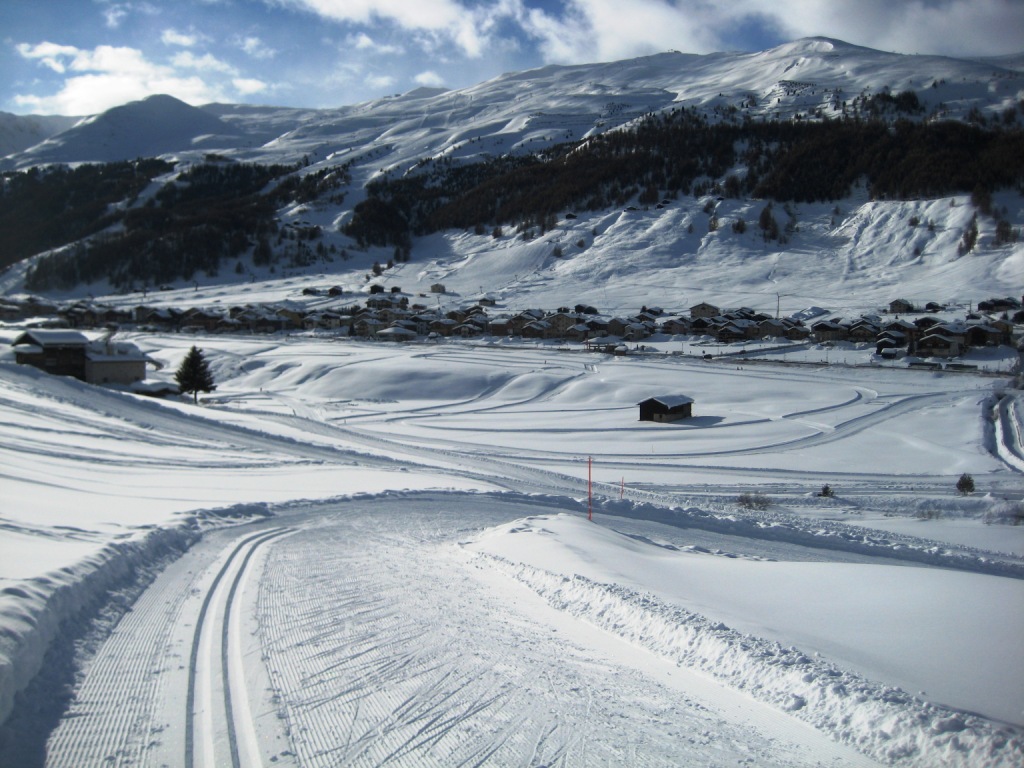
(382, 553)
(855, 583)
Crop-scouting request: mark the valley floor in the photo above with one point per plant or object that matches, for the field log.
(383, 557)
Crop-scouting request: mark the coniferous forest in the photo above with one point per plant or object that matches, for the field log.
(133, 231)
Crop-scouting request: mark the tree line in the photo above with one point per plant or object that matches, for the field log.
(210, 213)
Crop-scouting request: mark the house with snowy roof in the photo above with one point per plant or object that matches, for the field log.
(70, 353)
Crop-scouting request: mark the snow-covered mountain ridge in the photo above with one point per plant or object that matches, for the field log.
(870, 248)
(547, 104)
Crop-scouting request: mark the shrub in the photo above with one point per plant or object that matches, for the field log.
(965, 485)
(826, 491)
(756, 500)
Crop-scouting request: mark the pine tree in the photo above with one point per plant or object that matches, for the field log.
(193, 375)
(965, 485)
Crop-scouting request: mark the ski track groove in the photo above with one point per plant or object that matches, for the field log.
(249, 545)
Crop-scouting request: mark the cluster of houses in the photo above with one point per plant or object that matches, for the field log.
(925, 336)
(395, 316)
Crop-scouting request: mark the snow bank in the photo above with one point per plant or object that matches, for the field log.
(35, 612)
(883, 722)
(821, 534)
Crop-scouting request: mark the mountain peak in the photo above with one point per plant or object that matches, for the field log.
(156, 125)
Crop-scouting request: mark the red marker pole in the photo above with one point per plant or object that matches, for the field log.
(590, 488)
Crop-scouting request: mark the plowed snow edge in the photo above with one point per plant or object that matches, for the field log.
(885, 723)
(62, 605)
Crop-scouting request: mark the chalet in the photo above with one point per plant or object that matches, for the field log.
(563, 321)
(909, 331)
(617, 326)
(730, 332)
(395, 333)
(675, 325)
(983, 335)
(367, 325)
(293, 316)
(937, 345)
(70, 353)
(666, 408)
(438, 288)
(771, 329)
(499, 326)
(827, 330)
(797, 332)
(59, 352)
(863, 330)
(900, 306)
(539, 329)
(925, 324)
(107, 362)
(523, 319)
(443, 326)
(579, 332)
(636, 332)
(201, 318)
(704, 310)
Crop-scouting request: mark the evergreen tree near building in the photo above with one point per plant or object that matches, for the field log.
(193, 375)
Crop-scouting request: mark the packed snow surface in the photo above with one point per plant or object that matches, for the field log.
(426, 586)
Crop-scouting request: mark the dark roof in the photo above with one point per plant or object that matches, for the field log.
(669, 401)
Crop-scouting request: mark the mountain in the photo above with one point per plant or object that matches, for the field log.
(154, 126)
(852, 243)
(19, 132)
(532, 109)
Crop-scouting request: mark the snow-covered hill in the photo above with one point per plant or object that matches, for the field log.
(156, 125)
(19, 132)
(856, 252)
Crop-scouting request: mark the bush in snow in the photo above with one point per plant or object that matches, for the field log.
(755, 500)
(965, 485)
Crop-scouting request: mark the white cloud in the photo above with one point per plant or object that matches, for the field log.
(429, 79)
(256, 48)
(107, 76)
(114, 15)
(380, 82)
(207, 63)
(173, 37)
(442, 19)
(363, 42)
(954, 27)
(50, 55)
(248, 86)
(605, 30)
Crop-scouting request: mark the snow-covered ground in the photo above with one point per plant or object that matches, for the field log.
(415, 582)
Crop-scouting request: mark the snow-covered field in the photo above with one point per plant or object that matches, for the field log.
(369, 554)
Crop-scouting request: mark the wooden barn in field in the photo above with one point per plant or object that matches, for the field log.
(666, 408)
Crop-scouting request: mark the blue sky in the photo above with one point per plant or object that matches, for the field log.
(80, 57)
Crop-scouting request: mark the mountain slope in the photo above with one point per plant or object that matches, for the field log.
(19, 132)
(153, 126)
(855, 248)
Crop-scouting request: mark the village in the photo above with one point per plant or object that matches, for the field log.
(53, 339)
